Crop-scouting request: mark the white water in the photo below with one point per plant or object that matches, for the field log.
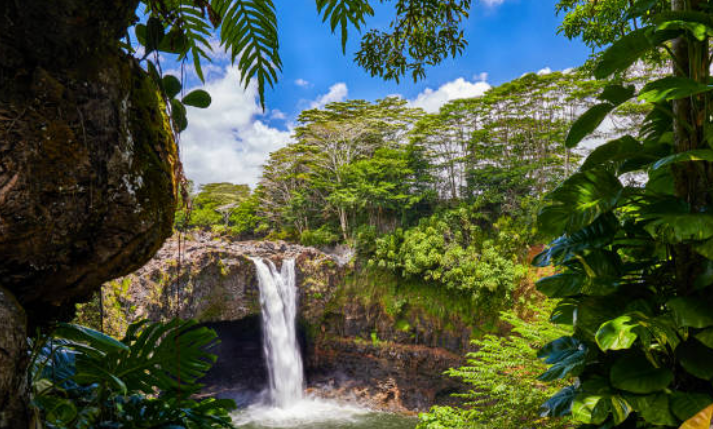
(285, 405)
(278, 299)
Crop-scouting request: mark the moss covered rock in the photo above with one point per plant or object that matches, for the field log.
(87, 157)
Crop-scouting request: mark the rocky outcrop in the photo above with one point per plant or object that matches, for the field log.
(213, 279)
(383, 374)
(87, 157)
(87, 163)
(353, 345)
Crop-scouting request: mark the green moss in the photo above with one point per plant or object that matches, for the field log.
(403, 325)
(411, 304)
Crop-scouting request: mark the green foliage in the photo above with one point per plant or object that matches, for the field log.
(423, 33)
(499, 375)
(319, 237)
(451, 249)
(632, 260)
(222, 207)
(82, 378)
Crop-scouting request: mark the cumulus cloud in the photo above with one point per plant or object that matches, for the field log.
(544, 71)
(337, 92)
(301, 82)
(228, 142)
(431, 100)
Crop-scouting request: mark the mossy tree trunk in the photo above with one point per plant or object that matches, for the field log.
(87, 169)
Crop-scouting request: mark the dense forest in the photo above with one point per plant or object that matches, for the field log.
(571, 209)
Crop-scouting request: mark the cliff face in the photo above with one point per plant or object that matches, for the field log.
(353, 345)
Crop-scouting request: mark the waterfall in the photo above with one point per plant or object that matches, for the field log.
(278, 300)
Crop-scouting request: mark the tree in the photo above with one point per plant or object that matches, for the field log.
(634, 260)
(107, 154)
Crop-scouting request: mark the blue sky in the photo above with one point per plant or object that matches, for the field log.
(230, 140)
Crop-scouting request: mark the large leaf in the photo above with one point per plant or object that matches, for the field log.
(686, 405)
(562, 285)
(587, 123)
(579, 201)
(691, 312)
(618, 334)
(692, 155)
(89, 336)
(696, 358)
(702, 420)
(597, 235)
(249, 32)
(617, 94)
(624, 52)
(560, 404)
(671, 88)
(617, 151)
(655, 409)
(567, 355)
(634, 373)
(596, 400)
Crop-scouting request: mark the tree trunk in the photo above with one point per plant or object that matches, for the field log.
(14, 388)
(690, 178)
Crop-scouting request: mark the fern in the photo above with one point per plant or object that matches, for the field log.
(248, 31)
(342, 12)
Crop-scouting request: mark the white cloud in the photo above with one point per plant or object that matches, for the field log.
(337, 92)
(227, 142)
(301, 82)
(430, 100)
(277, 114)
(491, 3)
(544, 71)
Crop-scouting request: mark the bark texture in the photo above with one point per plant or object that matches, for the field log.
(14, 393)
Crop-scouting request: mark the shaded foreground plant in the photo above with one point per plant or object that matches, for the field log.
(82, 378)
(635, 262)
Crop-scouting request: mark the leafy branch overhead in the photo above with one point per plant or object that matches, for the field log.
(423, 33)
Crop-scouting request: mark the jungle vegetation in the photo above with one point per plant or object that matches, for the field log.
(452, 197)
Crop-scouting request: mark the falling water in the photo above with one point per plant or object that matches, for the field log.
(287, 406)
(278, 299)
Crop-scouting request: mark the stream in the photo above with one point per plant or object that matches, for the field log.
(283, 404)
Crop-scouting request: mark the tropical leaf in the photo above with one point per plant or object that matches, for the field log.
(248, 31)
(579, 201)
(696, 358)
(691, 155)
(618, 334)
(588, 123)
(671, 88)
(567, 355)
(702, 420)
(691, 312)
(686, 405)
(634, 373)
(197, 98)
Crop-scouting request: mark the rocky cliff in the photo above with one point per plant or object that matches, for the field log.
(386, 357)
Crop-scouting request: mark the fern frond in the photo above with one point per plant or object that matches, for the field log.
(342, 12)
(248, 31)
